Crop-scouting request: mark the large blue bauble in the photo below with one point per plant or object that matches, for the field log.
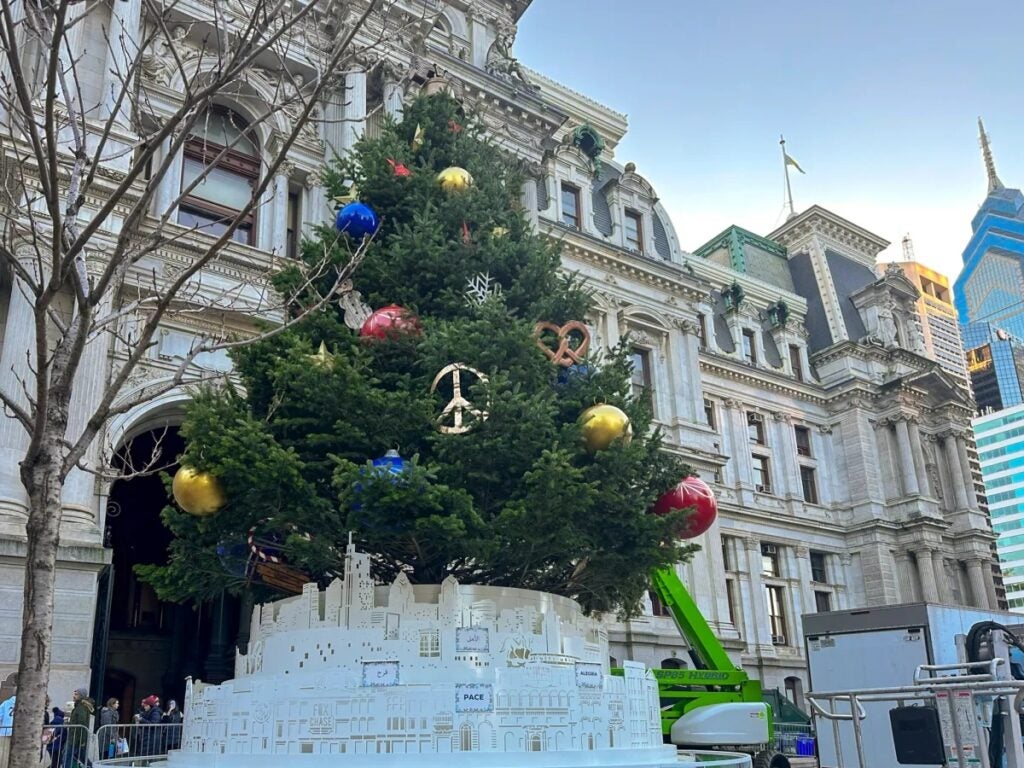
(357, 220)
(389, 463)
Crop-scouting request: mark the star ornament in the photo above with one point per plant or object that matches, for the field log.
(322, 358)
(417, 139)
(349, 196)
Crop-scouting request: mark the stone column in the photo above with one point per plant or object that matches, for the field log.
(955, 471)
(905, 573)
(918, 451)
(802, 556)
(965, 469)
(552, 212)
(393, 105)
(333, 128)
(942, 577)
(736, 424)
(684, 376)
(121, 50)
(760, 635)
(16, 359)
(315, 210)
(80, 501)
(926, 573)
(979, 589)
(528, 199)
(71, 53)
(279, 224)
(354, 105)
(906, 458)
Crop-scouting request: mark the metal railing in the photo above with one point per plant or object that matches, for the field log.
(788, 734)
(60, 746)
(135, 744)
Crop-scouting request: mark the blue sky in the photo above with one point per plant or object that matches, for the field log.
(878, 100)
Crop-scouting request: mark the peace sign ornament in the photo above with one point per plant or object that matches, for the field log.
(453, 419)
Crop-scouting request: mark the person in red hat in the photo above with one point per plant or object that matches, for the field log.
(150, 739)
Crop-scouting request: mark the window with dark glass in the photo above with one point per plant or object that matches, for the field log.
(293, 225)
(770, 559)
(819, 573)
(702, 331)
(749, 349)
(730, 596)
(755, 428)
(709, 413)
(775, 598)
(634, 231)
(762, 474)
(641, 377)
(222, 161)
(657, 607)
(803, 440)
(727, 562)
(822, 601)
(794, 362)
(809, 484)
(571, 206)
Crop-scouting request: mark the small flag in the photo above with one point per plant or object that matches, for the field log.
(417, 138)
(794, 163)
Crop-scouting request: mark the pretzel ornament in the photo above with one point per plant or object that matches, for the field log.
(565, 354)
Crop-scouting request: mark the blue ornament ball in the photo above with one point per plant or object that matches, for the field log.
(357, 220)
(389, 463)
(572, 374)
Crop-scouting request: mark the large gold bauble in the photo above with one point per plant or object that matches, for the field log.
(603, 425)
(198, 493)
(454, 179)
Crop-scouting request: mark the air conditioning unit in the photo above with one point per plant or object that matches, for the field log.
(754, 416)
(769, 549)
(778, 639)
(762, 489)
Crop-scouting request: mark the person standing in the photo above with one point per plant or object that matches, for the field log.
(108, 731)
(78, 737)
(7, 716)
(172, 718)
(149, 720)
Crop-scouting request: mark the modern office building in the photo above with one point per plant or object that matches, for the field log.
(1000, 439)
(995, 363)
(990, 287)
(938, 318)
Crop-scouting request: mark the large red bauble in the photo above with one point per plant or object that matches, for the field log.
(390, 321)
(691, 492)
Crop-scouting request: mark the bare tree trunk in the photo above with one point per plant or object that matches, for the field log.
(43, 481)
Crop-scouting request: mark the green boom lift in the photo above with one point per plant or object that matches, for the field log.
(716, 704)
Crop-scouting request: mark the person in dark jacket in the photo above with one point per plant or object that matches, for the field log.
(172, 718)
(77, 738)
(149, 719)
(107, 731)
(56, 746)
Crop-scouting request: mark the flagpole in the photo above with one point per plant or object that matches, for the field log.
(785, 169)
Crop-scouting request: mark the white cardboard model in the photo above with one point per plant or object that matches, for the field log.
(449, 673)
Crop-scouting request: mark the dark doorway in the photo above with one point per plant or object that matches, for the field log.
(143, 645)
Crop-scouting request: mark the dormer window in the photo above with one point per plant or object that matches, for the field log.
(571, 206)
(634, 231)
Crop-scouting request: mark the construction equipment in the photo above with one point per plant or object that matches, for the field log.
(716, 704)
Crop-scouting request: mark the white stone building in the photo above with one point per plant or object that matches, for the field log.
(782, 367)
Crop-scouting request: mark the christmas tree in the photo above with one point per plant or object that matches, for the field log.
(517, 496)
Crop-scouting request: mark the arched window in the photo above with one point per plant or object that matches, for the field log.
(222, 154)
(673, 663)
(795, 690)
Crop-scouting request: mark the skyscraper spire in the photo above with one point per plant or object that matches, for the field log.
(994, 184)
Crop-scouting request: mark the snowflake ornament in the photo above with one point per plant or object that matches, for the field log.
(482, 287)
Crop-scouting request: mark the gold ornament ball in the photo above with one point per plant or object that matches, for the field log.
(198, 493)
(603, 425)
(454, 179)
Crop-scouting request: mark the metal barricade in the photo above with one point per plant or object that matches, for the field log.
(60, 746)
(136, 743)
(786, 735)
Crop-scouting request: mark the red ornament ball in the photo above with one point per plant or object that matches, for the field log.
(390, 321)
(691, 492)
